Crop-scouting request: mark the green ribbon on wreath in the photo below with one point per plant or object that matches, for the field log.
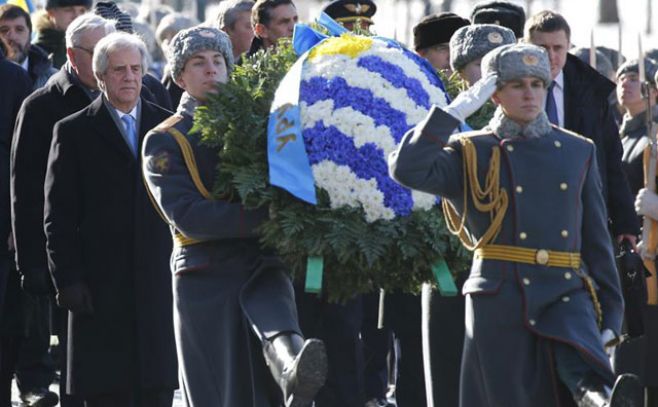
(443, 278)
(314, 270)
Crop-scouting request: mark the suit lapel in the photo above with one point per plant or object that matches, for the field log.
(107, 127)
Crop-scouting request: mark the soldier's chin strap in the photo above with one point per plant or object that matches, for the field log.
(492, 199)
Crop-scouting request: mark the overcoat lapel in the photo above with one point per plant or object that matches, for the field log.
(107, 128)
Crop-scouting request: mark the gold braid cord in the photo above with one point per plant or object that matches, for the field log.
(492, 199)
(595, 300)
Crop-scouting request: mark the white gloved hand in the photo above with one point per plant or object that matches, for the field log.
(473, 98)
(646, 203)
(609, 341)
(643, 252)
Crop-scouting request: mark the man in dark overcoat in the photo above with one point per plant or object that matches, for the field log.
(578, 101)
(543, 299)
(69, 90)
(18, 87)
(107, 247)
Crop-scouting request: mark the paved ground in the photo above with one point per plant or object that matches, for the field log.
(16, 401)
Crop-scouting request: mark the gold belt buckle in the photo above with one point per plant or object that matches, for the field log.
(542, 257)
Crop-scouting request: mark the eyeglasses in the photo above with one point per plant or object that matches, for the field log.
(89, 51)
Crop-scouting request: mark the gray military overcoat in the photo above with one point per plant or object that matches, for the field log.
(514, 311)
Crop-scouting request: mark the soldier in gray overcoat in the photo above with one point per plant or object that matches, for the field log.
(543, 298)
(234, 307)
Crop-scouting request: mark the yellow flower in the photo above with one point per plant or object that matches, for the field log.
(347, 44)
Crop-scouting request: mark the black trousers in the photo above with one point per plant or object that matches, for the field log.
(338, 325)
(25, 341)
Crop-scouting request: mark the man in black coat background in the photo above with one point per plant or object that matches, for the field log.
(69, 90)
(108, 250)
(580, 104)
(16, 30)
(11, 98)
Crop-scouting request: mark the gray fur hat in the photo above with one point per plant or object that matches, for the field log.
(192, 40)
(516, 61)
(633, 65)
(475, 41)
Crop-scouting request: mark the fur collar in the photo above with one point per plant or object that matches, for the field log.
(504, 127)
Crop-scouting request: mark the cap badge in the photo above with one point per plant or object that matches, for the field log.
(358, 8)
(530, 60)
(495, 38)
(207, 34)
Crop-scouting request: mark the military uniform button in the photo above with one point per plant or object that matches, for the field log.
(510, 148)
(567, 275)
(523, 235)
(564, 186)
(532, 322)
(519, 189)
(558, 144)
(526, 281)
(565, 233)
(566, 299)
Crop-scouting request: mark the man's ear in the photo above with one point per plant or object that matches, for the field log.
(71, 57)
(261, 31)
(495, 98)
(179, 81)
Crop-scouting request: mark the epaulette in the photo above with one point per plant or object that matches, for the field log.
(573, 134)
(469, 135)
(168, 123)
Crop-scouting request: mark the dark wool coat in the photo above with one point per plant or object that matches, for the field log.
(29, 157)
(588, 113)
(60, 97)
(40, 68)
(17, 87)
(515, 311)
(102, 230)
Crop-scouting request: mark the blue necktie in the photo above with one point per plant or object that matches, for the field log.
(551, 106)
(131, 132)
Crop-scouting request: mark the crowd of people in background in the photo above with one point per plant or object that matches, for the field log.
(89, 258)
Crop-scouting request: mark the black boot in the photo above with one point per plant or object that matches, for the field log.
(299, 367)
(627, 392)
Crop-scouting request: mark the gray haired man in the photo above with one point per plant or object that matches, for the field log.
(234, 18)
(108, 250)
(70, 89)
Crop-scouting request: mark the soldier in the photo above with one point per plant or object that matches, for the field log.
(503, 13)
(472, 42)
(432, 38)
(351, 13)
(543, 290)
(229, 293)
(641, 318)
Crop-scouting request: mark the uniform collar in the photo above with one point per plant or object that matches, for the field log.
(506, 128)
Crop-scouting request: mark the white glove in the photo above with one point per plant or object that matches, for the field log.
(609, 341)
(643, 252)
(473, 98)
(646, 203)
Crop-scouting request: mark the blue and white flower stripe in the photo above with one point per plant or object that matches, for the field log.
(354, 111)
